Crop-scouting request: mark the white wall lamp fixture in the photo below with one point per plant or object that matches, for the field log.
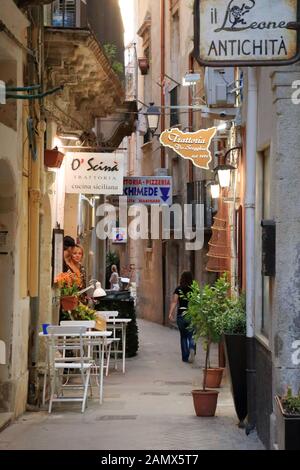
(224, 174)
(224, 169)
(215, 189)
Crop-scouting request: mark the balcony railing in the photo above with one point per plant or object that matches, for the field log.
(65, 14)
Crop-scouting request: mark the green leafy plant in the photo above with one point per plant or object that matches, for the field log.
(291, 403)
(111, 52)
(233, 318)
(205, 305)
(81, 312)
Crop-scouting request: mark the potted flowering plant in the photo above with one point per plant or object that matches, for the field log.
(69, 285)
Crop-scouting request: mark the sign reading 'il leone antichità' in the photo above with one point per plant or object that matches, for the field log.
(249, 32)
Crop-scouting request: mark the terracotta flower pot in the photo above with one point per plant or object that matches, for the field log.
(53, 158)
(143, 65)
(205, 402)
(214, 377)
(69, 302)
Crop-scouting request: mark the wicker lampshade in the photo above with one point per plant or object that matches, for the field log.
(219, 244)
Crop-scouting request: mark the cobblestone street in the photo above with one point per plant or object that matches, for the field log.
(148, 408)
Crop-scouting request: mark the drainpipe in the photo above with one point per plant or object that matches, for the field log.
(35, 183)
(191, 166)
(191, 116)
(250, 194)
(162, 74)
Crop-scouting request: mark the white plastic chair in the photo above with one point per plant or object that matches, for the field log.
(62, 339)
(89, 324)
(112, 340)
(112, 314)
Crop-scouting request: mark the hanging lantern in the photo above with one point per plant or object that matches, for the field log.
(215, 191)
(224, 174)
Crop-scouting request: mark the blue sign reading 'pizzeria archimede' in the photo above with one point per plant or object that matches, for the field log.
(148, 190)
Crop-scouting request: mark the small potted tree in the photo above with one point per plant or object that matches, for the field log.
(288, 421)
(205, 305)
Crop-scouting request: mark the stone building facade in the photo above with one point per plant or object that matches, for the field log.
(164, 41)
(277, 327)
(42, 43)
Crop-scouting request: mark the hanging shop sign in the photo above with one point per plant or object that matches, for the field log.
(94, 173)
(246, 32)
(193, 146)
(148, 190)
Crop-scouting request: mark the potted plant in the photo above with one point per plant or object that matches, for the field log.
(69, 284)
(143, 65)
(288, 421)
(81, 312)
(204, 306)
(53, 158)
(232, 325)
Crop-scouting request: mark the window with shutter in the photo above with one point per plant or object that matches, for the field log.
(64, 13)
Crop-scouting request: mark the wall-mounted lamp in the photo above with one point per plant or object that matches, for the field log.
(215, 189)
(153, 115)
(224, 169)
(224, 127)
(224, 174)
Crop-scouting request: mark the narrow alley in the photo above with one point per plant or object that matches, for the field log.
(150, 407)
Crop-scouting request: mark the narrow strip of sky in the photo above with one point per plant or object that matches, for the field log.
(127, 9)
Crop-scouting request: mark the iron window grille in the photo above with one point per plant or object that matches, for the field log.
(63, 14)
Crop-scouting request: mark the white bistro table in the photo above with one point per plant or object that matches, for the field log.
(97, 338)
(115, 324)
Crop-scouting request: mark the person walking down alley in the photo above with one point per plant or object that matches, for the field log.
(187, 343)
(114, 278)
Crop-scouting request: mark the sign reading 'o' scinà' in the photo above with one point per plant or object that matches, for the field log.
(246, 32)
(94, 173)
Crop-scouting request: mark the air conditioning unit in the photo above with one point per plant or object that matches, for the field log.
(218, 83)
